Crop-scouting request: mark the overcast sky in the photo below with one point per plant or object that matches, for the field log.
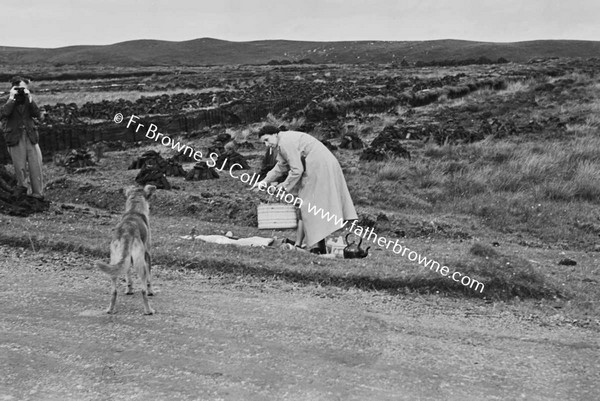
(57, 23)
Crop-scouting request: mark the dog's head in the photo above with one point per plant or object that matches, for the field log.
(146, 192)
(137, 198)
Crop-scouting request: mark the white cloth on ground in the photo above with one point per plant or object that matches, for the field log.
(221, 239)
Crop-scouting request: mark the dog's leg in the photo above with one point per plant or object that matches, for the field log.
(129, 290)
(142, 269)
(113, 297)
(147, 309)
(149, 278)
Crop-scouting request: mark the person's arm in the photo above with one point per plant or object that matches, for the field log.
(296, 168)
(34, 110)
(8, 108)
(280, 169)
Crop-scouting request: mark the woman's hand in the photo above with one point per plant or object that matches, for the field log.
(259, 186)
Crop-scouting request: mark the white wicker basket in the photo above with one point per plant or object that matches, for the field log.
(276, 215)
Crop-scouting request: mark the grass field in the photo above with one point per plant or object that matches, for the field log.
(504, 210)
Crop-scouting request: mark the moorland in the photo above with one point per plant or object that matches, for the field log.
(492, 169)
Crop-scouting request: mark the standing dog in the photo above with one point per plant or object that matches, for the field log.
(129, 246)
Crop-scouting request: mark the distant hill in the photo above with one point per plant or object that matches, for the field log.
(207, 51)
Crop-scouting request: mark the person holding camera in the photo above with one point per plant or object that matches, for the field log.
(21, 135)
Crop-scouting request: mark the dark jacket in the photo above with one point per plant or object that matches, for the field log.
(19, 119)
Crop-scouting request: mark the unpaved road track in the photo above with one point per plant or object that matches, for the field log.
(247, 339)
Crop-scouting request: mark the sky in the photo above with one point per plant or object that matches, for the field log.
(58, 23)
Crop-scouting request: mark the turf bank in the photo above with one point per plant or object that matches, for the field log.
(151, 133)
(166, 140)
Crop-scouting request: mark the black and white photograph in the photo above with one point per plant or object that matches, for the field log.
(300, 200)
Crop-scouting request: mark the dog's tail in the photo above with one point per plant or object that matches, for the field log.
(113, 270)
(123, 249)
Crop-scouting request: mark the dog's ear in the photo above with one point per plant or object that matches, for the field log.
(149, 190)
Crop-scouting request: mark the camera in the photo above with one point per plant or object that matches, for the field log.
(20, 97)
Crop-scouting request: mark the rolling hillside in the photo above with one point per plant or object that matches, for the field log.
(207, 51)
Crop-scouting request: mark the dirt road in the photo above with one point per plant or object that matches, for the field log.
(222, 338)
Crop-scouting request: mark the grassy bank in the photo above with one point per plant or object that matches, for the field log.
(89, 232)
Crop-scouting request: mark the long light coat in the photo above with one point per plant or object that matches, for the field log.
(315, 175)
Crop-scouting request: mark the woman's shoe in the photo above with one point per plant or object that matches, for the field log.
(320, 249)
